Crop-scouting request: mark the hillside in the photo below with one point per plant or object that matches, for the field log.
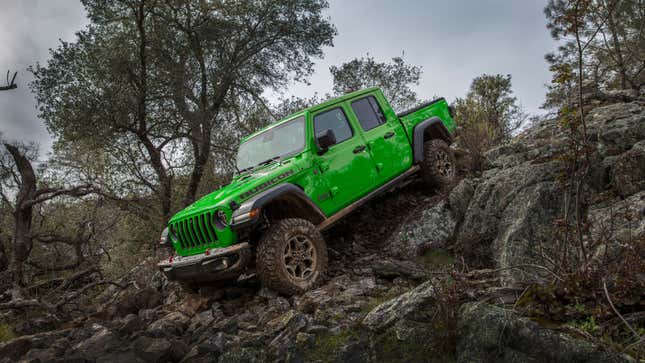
(415, 275)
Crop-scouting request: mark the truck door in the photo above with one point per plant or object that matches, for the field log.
(385, 137)
(347, 165)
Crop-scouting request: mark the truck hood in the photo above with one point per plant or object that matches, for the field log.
(239, 189)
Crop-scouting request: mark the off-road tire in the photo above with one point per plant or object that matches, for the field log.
(439, 166)
(272, 264)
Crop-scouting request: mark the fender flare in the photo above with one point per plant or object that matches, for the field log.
(433, 123)
(241, 217)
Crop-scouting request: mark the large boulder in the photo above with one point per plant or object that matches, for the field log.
(101, 342)
(411, 327)
(487, 333)
(423, 228)
(509, 218)
(172, 324)
(416, 304)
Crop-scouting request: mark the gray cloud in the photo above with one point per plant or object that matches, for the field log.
(28, 29)
(454, 41)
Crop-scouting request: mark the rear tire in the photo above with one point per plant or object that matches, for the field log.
(439, 166)
(292, 257)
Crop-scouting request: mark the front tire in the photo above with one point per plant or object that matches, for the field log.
(292, 256)
(439, 166)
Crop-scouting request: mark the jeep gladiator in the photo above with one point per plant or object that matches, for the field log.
(295, 179)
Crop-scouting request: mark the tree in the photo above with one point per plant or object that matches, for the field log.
(17, 171)
(395, 78)
(602, 42)
(578, 22)
(287, 106)
(148, 86)
(490, 100)
(475, 133)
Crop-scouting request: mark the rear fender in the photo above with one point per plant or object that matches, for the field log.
(432, 128)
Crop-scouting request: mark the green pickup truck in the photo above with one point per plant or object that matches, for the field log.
(299, 176)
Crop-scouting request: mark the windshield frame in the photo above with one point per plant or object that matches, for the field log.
(274, 127)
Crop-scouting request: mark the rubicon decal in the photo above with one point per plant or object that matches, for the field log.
(266, 184)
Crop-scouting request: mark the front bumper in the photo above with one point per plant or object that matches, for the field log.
(218, 264)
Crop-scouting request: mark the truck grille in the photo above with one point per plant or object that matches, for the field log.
(195, 232)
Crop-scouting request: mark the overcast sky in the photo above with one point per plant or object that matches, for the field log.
(453, 40)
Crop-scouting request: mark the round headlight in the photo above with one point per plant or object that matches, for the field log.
(164, 240)
(220, 219)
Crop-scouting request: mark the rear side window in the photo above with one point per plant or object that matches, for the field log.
(368, 112)
(335, 120)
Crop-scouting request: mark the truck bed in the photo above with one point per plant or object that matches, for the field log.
(438, 107)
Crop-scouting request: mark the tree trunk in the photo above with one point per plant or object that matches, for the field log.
(154, 153)
(4, 260)
(22, 242)
(620, 59)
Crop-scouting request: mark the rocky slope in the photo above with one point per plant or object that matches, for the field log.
(384, 300)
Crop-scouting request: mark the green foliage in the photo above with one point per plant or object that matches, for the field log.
(287, 106)
(589, 325)
(436, 259)
(488, 115)
(6, 333)
(395, 78)
(610, 34)
(579, 299)
(147, 92)
(326, 347)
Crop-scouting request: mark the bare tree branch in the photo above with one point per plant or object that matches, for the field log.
(10, 83)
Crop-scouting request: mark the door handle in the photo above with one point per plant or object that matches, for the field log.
(359, 149)
(388, 134)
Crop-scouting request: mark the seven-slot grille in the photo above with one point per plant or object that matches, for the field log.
(195, 232)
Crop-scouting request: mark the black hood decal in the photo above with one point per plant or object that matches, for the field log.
(265, 185)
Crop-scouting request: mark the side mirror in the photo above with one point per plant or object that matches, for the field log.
(325, 140)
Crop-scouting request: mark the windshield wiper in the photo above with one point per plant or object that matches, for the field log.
(265, 162)
(269, 161)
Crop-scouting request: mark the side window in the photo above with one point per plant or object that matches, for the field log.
(335, 120)
(368, 112)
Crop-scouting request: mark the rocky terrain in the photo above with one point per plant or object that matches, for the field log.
(387, 298)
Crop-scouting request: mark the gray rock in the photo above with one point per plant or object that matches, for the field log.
(101, 342)
(460, 196)
(114, 357)
(510, 212)
(243, 355)
(153, 349)
(41, 355)
(617, 222)
(172, 324)
(423, 228)
(16, 348)
(200, 320)
(149, 315)
(129, 324)
(491, 334)
(131, 301)
(618, 127)
(33, 326)
(213, 344)
(391, 268)
(509, 219)
(416, 304)
(627, 171)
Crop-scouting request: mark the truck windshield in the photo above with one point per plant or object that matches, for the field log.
(276, 142)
